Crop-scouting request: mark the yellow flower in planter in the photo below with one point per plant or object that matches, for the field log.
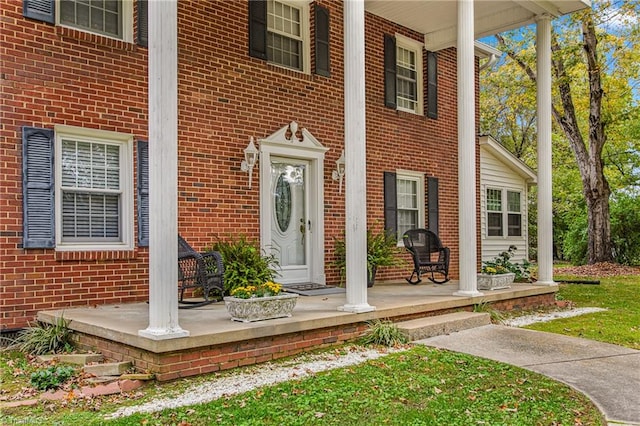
(261, 290)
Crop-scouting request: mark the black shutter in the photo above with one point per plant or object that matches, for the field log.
(390, 71)
(258, 29)
(143, 23)
(432, 85)
(390, 203)
(432, 203)
(41, 10)
(143, 193)
(38, 230)
(322, 40)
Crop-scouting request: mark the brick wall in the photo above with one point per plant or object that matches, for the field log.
(53, 75)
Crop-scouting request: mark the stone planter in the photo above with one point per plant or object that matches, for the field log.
(495, 282)
(260, 308)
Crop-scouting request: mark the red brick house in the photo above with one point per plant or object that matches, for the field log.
(128, 119)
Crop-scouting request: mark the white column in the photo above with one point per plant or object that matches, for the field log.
(467, 152)
(163, 172)
(355, 159)
(545, 211)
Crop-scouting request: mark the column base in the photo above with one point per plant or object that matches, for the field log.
(357, 309)
(163, 333)
(468, 293)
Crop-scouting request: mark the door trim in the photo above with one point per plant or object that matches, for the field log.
(297, 144)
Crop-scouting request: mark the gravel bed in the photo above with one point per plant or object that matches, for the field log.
(262, 375)
(532, 319)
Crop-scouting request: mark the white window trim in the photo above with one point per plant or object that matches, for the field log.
(306, 35)
(414, 45)
(126, 175)
(418, 177)
(504, 212)
(127, 22)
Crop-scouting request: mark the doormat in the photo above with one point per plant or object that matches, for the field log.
(313, 289)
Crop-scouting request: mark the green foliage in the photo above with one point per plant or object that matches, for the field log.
(385, 333)
(51, 377)
(625, 228)
(45, 338)
(576, 241)
(484, 306)
(381, 251)
(244, 263)
(502, 264)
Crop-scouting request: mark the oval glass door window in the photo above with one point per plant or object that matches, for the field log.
(283, 203)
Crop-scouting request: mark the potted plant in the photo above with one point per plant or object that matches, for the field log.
(259, 302)
(501, 271)
(381, 251)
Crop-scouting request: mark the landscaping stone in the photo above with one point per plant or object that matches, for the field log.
(129, 385)
(107, 369)
(80, 359)
(137, 376)
(23, 403)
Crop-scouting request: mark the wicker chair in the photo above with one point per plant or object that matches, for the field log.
(203, 271)
(429, 256)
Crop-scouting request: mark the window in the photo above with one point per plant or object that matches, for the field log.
(403, 74)
(94, 193)
(497, 214)
(514, 224)
(111, 18)
(285, 31)
(404, 201)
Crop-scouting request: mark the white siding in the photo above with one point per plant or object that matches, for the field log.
(496, 174)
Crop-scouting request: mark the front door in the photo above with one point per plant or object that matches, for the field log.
(290, 222)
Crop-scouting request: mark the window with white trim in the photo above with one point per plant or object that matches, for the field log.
(410, 201)
(94, 189)
(409, 75)
(287, 34)
(111, 18)
(503, 206)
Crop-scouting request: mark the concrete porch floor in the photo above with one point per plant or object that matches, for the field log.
(210, 325)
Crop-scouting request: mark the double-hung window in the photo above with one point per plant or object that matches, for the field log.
(503, 207)
(404, 78)
(94, 193)
(286, 34)
(110, 18)
(410, 201)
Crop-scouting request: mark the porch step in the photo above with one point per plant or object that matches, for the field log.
(80, 359)
(423, 328)
(108, 369)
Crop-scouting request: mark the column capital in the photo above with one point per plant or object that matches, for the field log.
(543, 17)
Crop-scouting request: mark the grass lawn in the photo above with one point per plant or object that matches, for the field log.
(421, 386)
(619, 324)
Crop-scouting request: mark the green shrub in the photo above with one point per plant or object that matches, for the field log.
(52, 377)
(625, 229)
(503, 263)
(485, 306)
(45, 338)
(245, 264)
(385, 333)
(381, 251)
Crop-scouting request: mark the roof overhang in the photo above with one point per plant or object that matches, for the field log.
(507, 158)
(437, 19)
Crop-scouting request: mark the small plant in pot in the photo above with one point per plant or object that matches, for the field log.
(381, 251)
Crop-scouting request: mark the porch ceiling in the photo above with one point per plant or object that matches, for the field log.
(436, 19)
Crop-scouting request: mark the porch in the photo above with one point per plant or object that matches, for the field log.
(216, 343)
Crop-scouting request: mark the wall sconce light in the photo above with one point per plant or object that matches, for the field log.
(250, 158)
(338, 173)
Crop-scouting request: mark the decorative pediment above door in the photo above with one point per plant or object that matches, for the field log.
(294, 136)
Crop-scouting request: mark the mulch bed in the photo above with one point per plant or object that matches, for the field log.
(603, 269)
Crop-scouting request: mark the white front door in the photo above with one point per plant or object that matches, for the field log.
(290, 220)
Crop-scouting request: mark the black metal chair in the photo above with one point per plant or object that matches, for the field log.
(196, 270)
(429, 255)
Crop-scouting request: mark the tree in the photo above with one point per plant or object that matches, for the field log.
(595, 74)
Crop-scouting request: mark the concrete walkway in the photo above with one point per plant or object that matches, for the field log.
(608, 374)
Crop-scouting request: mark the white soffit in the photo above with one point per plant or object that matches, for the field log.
(437, 19)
